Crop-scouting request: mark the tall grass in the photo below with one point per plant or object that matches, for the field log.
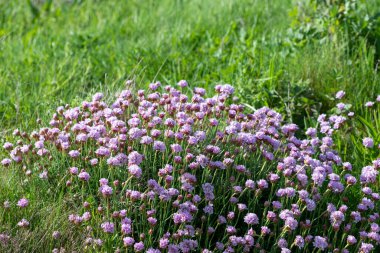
(66, 49)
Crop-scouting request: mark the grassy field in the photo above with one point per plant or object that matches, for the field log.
(54, 53)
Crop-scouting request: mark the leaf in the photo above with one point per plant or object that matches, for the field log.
(34, 9)
(368, 125)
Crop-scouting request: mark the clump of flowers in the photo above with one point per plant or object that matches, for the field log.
(163, 171)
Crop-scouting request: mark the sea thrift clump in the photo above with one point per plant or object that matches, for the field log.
(170, 170)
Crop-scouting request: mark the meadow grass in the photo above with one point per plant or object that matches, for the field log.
(54, 53)
(68, 49)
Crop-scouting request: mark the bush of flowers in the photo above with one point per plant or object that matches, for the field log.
(162, 171)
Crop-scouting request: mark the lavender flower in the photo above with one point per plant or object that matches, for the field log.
(351, 240)
(368, 142)
(135, 171)
(108, 227)
(23, 203)
(320, 242)
(182, 84)
(340, 94)
(251, 219)
(139, 246)
(84, 176)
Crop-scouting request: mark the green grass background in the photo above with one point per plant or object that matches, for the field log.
(53, 53)
(57, 52)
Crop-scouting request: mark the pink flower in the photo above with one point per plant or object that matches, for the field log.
(340, 94)
(135, 171)
(74, 153)
(320, 243)
(108, 227)
(84, 176)
(251, 219)
(368, 142)
(6, 162)
(106, 190)
(23, 203)
(182, 83)
(23, 223)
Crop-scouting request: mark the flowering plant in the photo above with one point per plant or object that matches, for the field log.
(161, 171)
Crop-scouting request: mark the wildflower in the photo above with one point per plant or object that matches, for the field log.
(74, 153)
(340, 94)
(368, 175)
(225, 89)
(23, 203)
(154, 86)
(291, 223)
(84, 176)
(368, 142)
(209, 209)
(23, 223)
(139, 246)
(135, 158)
(43, 175)
(73, 170)
(366, 247)
(8, 146)
(351, 240)
(103, 151)
(4, 239)
(152, 221)
(262, 184)
(282, 243)
(108, 227)
(340, 106)
(56, 235)
(98, 242)
(97, 96)
(6, 162)
(6, 204)
(159, 146)
(320, 243)
(250, 184)
(106, 190)
(231, 230)
(208, 189)
(176, 148)
(251, 219)
(299, 242)
(182, 84)
(265, 230)
(135, 171)
(86, 216)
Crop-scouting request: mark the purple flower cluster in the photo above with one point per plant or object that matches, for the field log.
(160, 171)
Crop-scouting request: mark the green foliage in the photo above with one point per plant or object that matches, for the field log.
(327, 20)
